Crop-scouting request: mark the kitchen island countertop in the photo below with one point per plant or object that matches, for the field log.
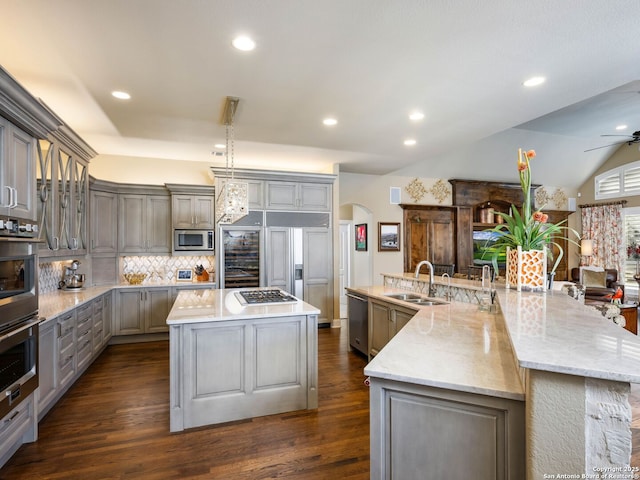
(196, 306)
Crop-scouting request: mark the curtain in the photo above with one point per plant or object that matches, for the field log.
(604, 226)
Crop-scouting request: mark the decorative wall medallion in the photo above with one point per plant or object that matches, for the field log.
(559, 198)
(440, 191)
(416, 190)
(542, 197)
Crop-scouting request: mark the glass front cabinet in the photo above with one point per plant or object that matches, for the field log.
(63, 188)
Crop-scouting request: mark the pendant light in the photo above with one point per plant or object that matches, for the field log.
(232, 201)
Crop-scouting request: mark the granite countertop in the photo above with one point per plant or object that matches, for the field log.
(198, 306)
(555, 333)
(59, 302)
(452, 346)
(459, 347)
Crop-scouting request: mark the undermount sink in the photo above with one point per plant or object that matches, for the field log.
(415, 299)
(404, 296)
(426, 302)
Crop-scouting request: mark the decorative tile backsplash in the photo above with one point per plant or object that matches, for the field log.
(164, 268)
(49, 275)
(161, 268)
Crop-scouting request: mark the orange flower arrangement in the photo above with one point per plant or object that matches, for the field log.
(530, 231)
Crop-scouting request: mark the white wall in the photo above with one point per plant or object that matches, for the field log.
(150, 171)
(372, 193)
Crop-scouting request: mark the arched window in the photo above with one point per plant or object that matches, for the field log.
(622, 181)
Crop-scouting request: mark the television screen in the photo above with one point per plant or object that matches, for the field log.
(483, 249)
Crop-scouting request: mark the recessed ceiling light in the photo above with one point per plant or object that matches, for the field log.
(622, 127)
(220, 145)
(121, 95)
(244, 43)
(330, 121)
(534, 81)
(410, 142)
(415, 116)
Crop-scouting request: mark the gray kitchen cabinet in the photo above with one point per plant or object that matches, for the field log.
(317, 265)
(298, 196)
(222, 371)
(192, 206)
(385, 320)
(107, 317)
(66, 362)
(19, 426)
(256, 194)
(17, 172)
(316, 261)
(143, 310)
(193, 211)
(63, 193)
(426, 433)
(67, 346)
(47, 362)
(104, 222)
(84, 335)
(378, 326)
(102, 318)
(144, 224)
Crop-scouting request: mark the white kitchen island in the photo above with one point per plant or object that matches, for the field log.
(230, 361)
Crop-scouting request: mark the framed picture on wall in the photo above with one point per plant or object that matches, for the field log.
(388, 237)
(361, 237)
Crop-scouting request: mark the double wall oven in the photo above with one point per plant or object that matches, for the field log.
(18, 321)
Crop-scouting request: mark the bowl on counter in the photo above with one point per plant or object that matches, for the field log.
(135, 278)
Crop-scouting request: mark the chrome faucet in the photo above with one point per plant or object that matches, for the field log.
(447, 296)
(417, 274)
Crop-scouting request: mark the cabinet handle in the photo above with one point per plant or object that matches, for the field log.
(56, 243)
(12, 417)
(8, 205)
(14, 202)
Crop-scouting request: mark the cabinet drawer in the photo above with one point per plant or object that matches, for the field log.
(97, 304)
(65, 341)
(84, 311)
(84, 337)
(66, 368)
(66, 324)
(16, 423)
(85, 350)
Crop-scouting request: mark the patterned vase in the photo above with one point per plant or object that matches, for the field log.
(526, 269)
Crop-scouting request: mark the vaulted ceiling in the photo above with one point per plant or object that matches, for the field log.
(368, 63)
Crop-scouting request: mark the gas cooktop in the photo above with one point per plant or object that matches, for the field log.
(256, 297)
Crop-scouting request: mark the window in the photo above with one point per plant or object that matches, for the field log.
(632, 236)
(619, 182)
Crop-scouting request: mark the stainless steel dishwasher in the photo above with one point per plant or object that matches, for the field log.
(358, 312)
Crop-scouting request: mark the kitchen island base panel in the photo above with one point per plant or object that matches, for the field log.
(232, 370)
(426, 433)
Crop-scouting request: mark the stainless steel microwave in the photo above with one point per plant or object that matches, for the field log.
(193, 240)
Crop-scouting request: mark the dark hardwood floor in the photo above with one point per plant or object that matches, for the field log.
(114, 424)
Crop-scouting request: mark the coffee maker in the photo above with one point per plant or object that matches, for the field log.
(72, 279)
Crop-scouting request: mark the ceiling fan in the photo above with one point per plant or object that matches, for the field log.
(634, 138)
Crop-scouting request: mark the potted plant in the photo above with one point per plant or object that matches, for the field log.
(526, 237)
